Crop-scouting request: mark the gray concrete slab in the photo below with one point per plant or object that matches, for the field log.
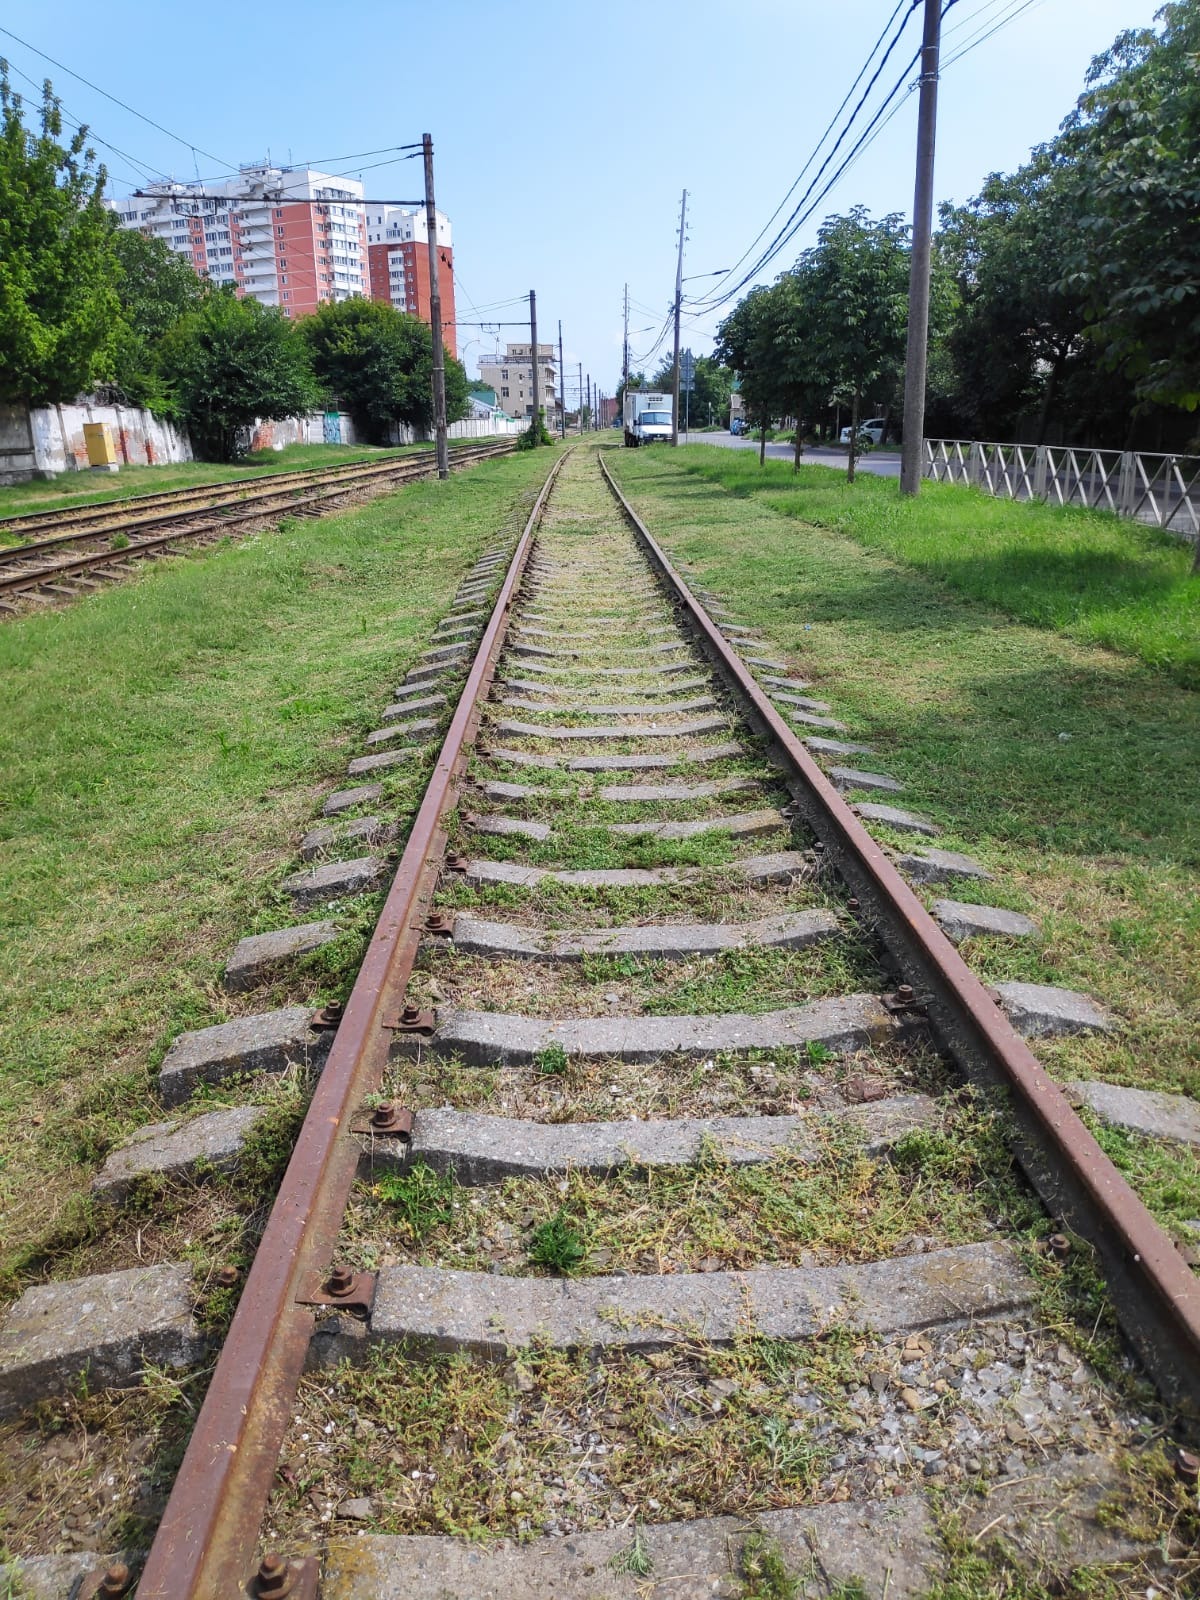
(488, 1038)
(766, 664)
(334, 880)
(428, 674)
(796, 685)
(879, 1550)
(175, 1149)
(631, 730)
(446, 652)
(961, 921)
(270, 1041)
(363, 830)
(649, 671)
(802, 700)
(836, 747)
(254, 957)
(511, 827)
(810, 719)
(940, 866)
(110, 1326)
(401, 730)
(1039, 1010)
(493, 1315)
(481, 1149)
(780, 866)
(745, 825)
(532, 686)
(692, 754)
(664, 793)
(382, 761)
(58, 1577)
(406, 708)
(902, 821)
(1149, 1111)
(791, 930)
(364, 794)
(665, 708)
(853, 778)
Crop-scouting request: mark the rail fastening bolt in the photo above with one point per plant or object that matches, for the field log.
(1187, 1466)
(340, 1280)
(410, 1014)
(115, 1580)
(904, 992)
(227, 1277)
(851, 905)
(384, 1113)
(274, 1578)
(1059, 1246)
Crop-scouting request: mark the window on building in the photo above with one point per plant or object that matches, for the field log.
(504, 373)
(287, 294)
(282, 264)
(504, 392)
(281, 232)
(279, 213)
(283, 278)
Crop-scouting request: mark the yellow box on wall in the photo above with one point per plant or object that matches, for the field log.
(102, 453)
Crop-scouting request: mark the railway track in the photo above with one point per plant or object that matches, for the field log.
(101, 542)
(652, 1208)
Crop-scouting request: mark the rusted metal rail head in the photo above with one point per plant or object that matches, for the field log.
(206, 1541)
(1155, 1295)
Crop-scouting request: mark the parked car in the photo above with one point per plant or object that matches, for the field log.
(872, 430)
(737, 426)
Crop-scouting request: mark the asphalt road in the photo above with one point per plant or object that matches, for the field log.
(887, 466)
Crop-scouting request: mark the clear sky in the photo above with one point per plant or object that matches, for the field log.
(564, 134)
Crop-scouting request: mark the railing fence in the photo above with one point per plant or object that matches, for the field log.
(1162, 490)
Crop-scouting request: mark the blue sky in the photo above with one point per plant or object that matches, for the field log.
(564, 135)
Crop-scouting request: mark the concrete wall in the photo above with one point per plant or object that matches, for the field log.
(320, 428)
(141, 438)
(17, 461)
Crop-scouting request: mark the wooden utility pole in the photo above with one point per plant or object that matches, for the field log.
(913, 443)
(678, 313)
(435, 317)
(562, 387)
(533, 352)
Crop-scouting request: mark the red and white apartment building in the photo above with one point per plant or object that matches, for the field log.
(296, 238)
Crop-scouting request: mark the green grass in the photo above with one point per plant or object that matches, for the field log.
(1072, 772)
(1086, 573)
(69, 488)
(163, 745)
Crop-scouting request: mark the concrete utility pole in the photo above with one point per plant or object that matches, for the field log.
(678, 313)
(534, 360)
(581, 397)
(589, 401)
(562, 387)
(625, 347)
(435, 317)
(913, 444)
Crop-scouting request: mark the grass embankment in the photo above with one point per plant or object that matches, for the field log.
(1085, 573)
(163, 745)
(1072, 772)
(71, 488)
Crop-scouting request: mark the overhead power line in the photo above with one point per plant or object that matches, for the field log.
(188, 144)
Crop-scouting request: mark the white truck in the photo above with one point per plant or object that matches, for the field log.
(647, 417)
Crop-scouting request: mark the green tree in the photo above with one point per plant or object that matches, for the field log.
(379, 363)
(58, 271)
(856, 296)
(1135, 254)
(712, 385)
(157, 288)
(747, 343)
(232, 361)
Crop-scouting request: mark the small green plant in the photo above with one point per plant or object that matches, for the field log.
(817, 1053)
(636, 1561)
(423, 1198)
(553, 1059)
(119, 541)
(557, 1244)
(534, 435)
(765, 1574)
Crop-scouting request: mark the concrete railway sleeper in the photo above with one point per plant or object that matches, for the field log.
(641, 1216)
(106, 544)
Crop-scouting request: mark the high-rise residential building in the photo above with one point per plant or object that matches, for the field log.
(287, 237)
(398, 264)
(511, 376)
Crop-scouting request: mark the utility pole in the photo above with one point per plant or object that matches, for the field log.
(581, 397)
(625, 347)
(912, 445)
(534, 363)
(435, 316)
(589, 401)
(562, 386)
(678, 313)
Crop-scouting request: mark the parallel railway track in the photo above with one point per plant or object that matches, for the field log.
(639, 945)
(101, 541)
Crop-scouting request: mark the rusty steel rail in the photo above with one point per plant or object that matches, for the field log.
(1155, 1295)
(103, 511)
(206, 1541)
(185, 504)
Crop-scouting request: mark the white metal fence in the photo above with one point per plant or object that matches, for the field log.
(1163, 490)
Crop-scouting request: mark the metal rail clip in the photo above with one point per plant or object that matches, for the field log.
(387, 1121)
(413, 1020)
(344, 1288)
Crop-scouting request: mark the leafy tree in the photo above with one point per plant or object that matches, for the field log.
(157, 288)
(232, 361)
(379, 363)
(712, 385)
(856, 295)
(746, 342)
(58, 271)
